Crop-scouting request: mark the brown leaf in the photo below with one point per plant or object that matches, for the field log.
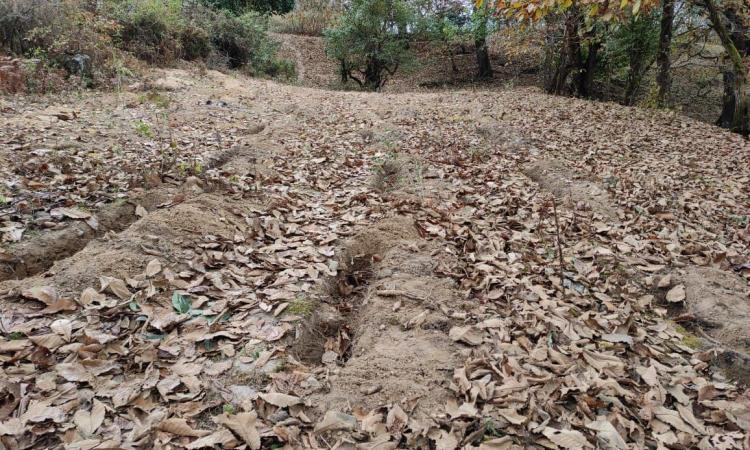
(566, 438)
(115, 286)
(153, 268)
(336, 421)
(469, 335)
(180, 427)
(44, 294)
(243, 426)
(89, 421)
(676, 294)
(280, 400)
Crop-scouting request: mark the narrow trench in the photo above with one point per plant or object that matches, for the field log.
(34, 256)
(327, 336)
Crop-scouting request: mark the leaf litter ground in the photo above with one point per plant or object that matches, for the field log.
(351, 270)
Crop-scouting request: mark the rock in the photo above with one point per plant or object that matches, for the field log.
(273, 366)
(79, 65)
(240, 392)
(279, 416)
(369, 390)
(329, 357)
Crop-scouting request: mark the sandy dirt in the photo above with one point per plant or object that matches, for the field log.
(372, 271)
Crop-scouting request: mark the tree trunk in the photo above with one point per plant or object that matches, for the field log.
(664, 57)
(586, 75)
(484, 67)
(344, 71)
(635, 74)
(569, 55)
(735, 112)
(373, 75)
(483, 58)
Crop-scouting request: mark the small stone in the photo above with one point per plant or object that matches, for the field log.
(279, 416)
(329, 357)
(240, 392)
(369, 390)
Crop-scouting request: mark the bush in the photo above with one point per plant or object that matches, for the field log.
(241, 6)
(244, 42)
(85, 40)
(307, 18)
(370, 40)
(18, 18)
(151, 29)
(60, 37)
(196, 43)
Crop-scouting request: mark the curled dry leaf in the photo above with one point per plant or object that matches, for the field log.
(566, 438)
(180, 427)
(676, 294)
(336, 421)
(243, 426)
(468, 335)
(280, 400)
(153, 268)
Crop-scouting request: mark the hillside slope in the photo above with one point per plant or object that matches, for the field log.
(294, 267)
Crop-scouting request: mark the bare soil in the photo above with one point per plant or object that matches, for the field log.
(288, 294)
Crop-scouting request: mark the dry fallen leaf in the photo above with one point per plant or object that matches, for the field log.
(567, 438)
(281, 400)
(180, 427)
(468, 335)
(242, 425)
(89, 421)
(676, 294)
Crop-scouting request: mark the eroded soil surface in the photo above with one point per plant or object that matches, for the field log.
(252, 265)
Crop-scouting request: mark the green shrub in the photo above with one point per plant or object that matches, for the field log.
(19, 17)
(307, 18)
(244, 42)
(195, 42)
(151, 29)
(371, 40)
(241, 6)
(63, 38)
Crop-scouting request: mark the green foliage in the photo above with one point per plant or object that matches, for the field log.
(181, 303)
(371, 40)
(264, 6)
(309, 17)
(151, 29)
(63, 33)
(18, 18)
(301, 306)
(143, 129)
(628, 51)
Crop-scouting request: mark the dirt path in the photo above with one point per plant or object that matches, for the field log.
(382, 271)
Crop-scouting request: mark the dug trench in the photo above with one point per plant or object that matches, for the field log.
(34, 256)
(173, 219)
(381, 331)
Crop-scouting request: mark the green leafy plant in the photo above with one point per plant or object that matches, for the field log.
(144, 129)
(370, 40)
(181, 303)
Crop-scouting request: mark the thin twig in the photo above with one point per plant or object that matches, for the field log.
(559, 245)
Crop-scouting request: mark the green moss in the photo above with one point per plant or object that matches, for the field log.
(689, 339)
(301, 306)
